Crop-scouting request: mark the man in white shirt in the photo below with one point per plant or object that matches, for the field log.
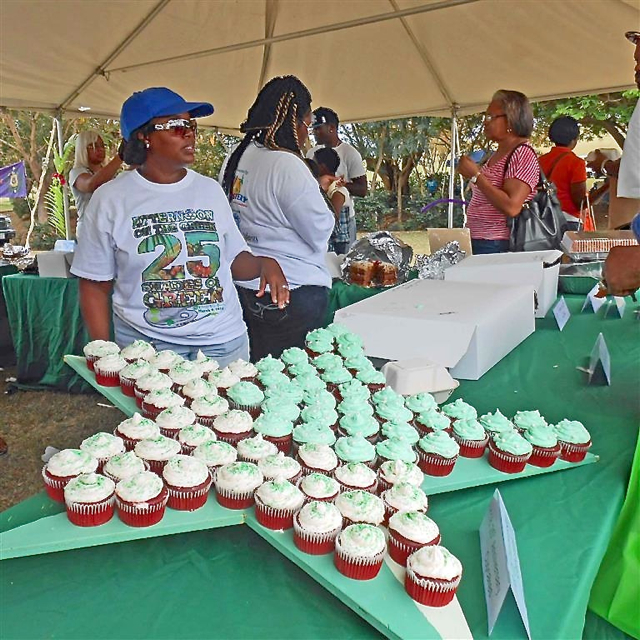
(351, 170)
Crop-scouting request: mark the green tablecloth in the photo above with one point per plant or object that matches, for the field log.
(228, 583)
(45, 321)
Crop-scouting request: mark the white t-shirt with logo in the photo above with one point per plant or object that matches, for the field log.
(629, 173)
(281, 213)
(351, 165)
(169, 249)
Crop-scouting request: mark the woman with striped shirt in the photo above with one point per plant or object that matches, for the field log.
(509, 179)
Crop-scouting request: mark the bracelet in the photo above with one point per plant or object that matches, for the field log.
(474, 179)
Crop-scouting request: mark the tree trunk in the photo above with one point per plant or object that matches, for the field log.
(398, 182)
(383, 135)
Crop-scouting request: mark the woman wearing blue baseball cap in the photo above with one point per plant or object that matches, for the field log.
(162, 243)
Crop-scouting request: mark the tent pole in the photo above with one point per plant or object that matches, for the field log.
(452, 163)
(65, 188)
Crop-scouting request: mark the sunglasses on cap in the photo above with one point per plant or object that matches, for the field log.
(179, 126)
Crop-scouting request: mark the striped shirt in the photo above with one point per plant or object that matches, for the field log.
(484, 221)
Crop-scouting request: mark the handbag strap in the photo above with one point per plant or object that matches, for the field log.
(523, 144)
(555, 163)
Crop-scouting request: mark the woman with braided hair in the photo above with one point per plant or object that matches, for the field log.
(281, 213)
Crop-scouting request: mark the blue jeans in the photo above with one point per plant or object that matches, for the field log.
(489, 246)
(272, 330)
(223, 353)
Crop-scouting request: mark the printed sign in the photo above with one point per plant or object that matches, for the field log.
(500, 563)
(593, 302)
(600, 362)
(561, 313)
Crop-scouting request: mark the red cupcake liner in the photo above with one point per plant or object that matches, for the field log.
(471, 448)
(84, 514)
(283, 443)
(271, 518)
(127, 386)
(400, 548)
(170, 432)
(150, 410)
(139, 395)
(156, 466)
(544, 456)
(357, 567)
(144, 514)
(306, 470)
(506, 462)
(429, 591)
(231, 438)
(424, 431)
(55, 485)
(188, 498)
(376, 386)
(572, 452)
(107, 378)
(129, 443)
(373, 488)
(233, 499)
(91, 360)
(435, 465)
(116, 479)
(312, 542)
(253, 410)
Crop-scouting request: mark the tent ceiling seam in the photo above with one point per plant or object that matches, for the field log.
(426, 59)
(296, 35)
(270, 16)
(101, 70)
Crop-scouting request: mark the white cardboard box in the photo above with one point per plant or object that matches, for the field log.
(465, 327)
(527, 267)
(55, 264)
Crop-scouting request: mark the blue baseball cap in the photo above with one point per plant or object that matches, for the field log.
(156, 102)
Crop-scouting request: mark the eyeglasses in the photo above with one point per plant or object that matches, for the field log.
(95, 145)
(488, 117)
(179, 127)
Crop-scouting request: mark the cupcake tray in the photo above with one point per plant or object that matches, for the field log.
(468, 472)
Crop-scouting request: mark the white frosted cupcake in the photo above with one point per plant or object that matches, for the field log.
(360, 550)
(356, 475)
(317, 458)
(223, 379)
(132, 372)
(184, 372)
(360, 507)
(280, 467)
(198, 388)
(208, 408)
(232, 426)
(433, 575)
(141, 499)
(193, 436)
(164, 360)
(173, 419)
(188, 481)
(393, 471)
(153, 381)
(124, 465)
(317, 486)
(157, 401)
(236, 484)
(215, 453)
(138, 350)
(89, 499)
(63, 467)
(316, 526)
(156, 451)
(276, 503)
(136, 428)
(410, 531)
(108, 370)
(256, 448)
(206, 363)
(404, 497)
(97, 349)
(243, 369)
(102, 446)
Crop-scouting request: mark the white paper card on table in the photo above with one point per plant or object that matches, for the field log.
(593, 302)
(561, 313)
(617, 304)
(600, 361)
(500, 563)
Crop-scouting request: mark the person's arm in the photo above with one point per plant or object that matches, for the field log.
(621, 271)
(602, 164)
(337, 202)
(578, 192)
(358, 186)
(94, 304)
(88, 183)
(246, 266)
(508, 200)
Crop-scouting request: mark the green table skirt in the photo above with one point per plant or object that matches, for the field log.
(229, 584)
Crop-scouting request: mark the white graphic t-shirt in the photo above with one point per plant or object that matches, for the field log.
(351, 165)
(281, 213)
(169, 248)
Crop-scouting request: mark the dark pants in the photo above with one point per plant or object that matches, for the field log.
(489, 246)
(271, 330)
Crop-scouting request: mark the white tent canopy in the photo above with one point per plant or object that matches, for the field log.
(367, 59)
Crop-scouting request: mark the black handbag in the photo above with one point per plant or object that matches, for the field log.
(541, 223)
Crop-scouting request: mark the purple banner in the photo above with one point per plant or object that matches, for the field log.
(13, 181)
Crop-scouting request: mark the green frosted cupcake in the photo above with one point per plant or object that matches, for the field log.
(400, 430)
(359, 424)
(471, 437)
(294, 355)
(322, 415)
(246, 396)
(352, 405)
(321, 397)
(421, 402)
(312, 433)
(459, 410)
(356, 449)
(396, 449)
(269, 363)
(354, 390)
(495, 423)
